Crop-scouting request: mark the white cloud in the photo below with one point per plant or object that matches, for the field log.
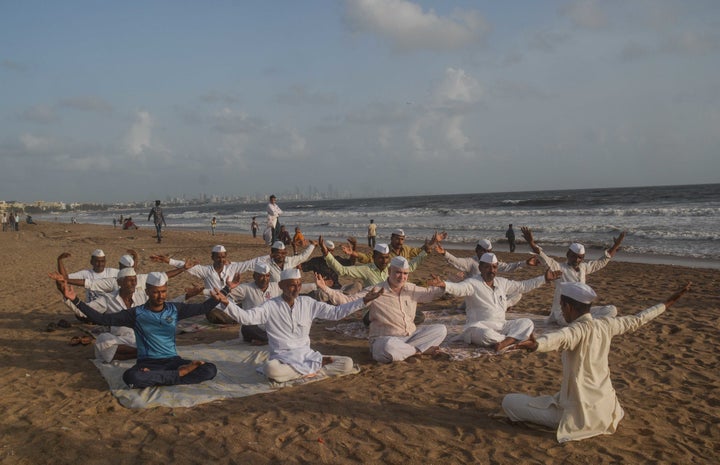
(586, 14)
(87, 103)
(35, 144)
(40, 114)
(139, 137)
(407, 27)
(457, 87)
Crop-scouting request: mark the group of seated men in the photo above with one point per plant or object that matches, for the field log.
(273, 309)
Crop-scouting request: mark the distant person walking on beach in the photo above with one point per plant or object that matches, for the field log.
(213, 224)
(587, 404)
(254, 227)
(156, 214)
(4, 221)
(372, 234)
(273, 215)
(510, 234)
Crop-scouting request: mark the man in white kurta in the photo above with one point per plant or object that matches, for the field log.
(575, 270)
(586, 405)
(287, 320)
(486, 304)
(470, 265)
(98, 271)
(255, 293)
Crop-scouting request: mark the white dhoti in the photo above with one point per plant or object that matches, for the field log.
(488, 333)
(282, 372)
(106, 344)
(387, 349)
(541, 410)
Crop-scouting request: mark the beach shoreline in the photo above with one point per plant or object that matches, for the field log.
(58, 409)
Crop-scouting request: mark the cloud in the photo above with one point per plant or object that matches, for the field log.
(139, 137)
(407, 27)
(585, 14)
(86, 103)
(219, 97)
(42, 114)
(11, 65)
(300, 95)
(457, 87)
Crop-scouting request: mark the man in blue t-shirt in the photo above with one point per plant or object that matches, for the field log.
(154, 323)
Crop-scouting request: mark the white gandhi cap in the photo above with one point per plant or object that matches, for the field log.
(382, 248)
(98, 253)
(489, 258)
(578, 291)
(400, 262)
(156, 279)
(579, 249)
(292, 273)
(218, 249)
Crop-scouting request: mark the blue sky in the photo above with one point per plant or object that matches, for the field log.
(123, 101)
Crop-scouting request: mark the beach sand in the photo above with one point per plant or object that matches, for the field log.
(57, 409)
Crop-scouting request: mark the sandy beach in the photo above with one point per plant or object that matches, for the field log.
(57, 409)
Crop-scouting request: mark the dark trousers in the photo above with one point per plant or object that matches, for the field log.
(158, 230)
(164, 372)
(253, 333)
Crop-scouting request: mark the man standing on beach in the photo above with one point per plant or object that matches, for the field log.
(575, 270)
(154, 323)
(586, 405)
(273, 215)
(254, 227)
(158, 218)
(287, 320)
(372, 233)
(486, 304)
(510, 235)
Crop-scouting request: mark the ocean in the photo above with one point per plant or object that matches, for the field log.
(668, 221)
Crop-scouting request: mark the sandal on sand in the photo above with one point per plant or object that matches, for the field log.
(51, 327)
(63, 324)
(86, 340)
(75, 340)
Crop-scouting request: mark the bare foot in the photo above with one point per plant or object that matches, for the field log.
(189, 368)
(504, 344)
(327, 361)
(432, 350)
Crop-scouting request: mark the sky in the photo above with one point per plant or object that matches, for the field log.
(104, 101)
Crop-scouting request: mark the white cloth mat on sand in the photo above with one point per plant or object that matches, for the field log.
(454, 321)
(236, 361)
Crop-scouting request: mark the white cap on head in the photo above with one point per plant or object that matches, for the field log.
(398, 232)
(578, 291)
(330, 245)
(291, 273)
(400, 262)
(489, 258)
(125, 272)
(579, 249)
(127, 261)
(98, 253)
(218, 249)
(156, 279)
(485, 244)
(261, 268)
(278, 245)
(382, 248)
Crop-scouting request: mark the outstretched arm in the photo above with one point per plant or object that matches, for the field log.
(616, 245)
(61, 265)
(676, 296)
(528, 236)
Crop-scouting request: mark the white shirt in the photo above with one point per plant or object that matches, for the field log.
(485, 303)
(288, 328)
(249, 295)
(587, 397)
(90, 274)
(469, 265)
(113, 303)
(107, 285)
(570, 275)
(273, 211)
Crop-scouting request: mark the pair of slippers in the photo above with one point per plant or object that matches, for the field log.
(60, 324)
(77, 340)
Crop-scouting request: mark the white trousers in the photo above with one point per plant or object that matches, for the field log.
(487, 333)
(281, 372)
(388, 349)
(538, 410)
(106, 344)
